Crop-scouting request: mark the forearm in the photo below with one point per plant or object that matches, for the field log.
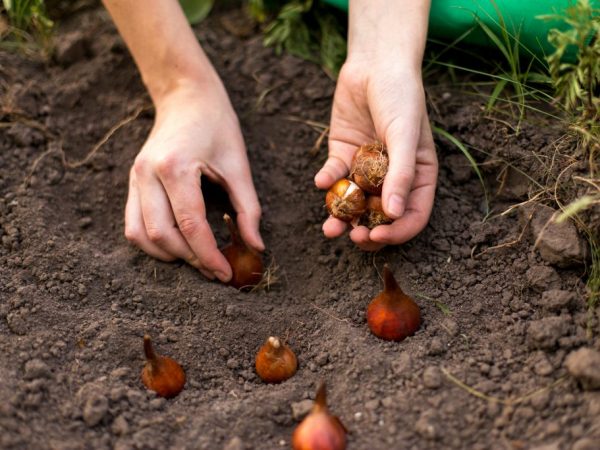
(162, 44)
(382, 29)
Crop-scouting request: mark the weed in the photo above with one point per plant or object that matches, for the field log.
(576, 81)
(304, 28)
(465, 151)
(29, 25)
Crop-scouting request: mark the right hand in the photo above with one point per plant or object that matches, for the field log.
(196, 133)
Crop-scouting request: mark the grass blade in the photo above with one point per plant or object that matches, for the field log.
(443, 133)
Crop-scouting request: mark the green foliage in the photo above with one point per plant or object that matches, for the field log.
(443, 133)
(304, 28)
(577, 81)
(290, 31)
(28, 15)
(29, 27)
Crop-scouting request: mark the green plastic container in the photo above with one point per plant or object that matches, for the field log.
(451, 19)
(196, 10)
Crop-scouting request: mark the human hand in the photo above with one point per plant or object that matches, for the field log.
(382, 102)
(379, 96)
(196, 133)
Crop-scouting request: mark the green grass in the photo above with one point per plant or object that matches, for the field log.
(29, 27)
(467, 154)
(562, 91)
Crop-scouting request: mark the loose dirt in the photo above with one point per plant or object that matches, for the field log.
(485, 371)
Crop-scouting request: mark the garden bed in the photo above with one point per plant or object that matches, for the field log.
(486, 370)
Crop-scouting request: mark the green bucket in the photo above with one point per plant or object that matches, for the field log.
(451, 19)
(196, 10)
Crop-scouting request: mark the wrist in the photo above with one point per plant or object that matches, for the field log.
(387, 32)
(171, 78)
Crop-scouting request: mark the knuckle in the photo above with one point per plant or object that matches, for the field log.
(188, 225)
(403, 178)
(166, 165)
(156, 235)
(132, 234)
(141, 165)
(169, 165)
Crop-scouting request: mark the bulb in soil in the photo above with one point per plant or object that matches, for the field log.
(161, 374)
(345, 200)
(393, 315)
(320, 430)
(374, 216)
(275, 361)
(369, 167)
(246, 263)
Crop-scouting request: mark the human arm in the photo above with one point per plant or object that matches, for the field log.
(196, 132)
(380, 96)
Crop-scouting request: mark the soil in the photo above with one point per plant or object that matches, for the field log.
(485, 371)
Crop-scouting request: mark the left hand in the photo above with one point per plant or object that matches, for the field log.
(381, 102)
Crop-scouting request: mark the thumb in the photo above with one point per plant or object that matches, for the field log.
(337, 165)
(402, 137)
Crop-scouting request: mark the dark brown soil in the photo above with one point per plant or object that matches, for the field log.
(76, 299)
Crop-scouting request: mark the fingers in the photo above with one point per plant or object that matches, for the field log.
(360, 236)
(402, 138)
(182, 186)
(243, 197)
(420, 199)
(333, 227)
(337, 165)
(135, 229)
(160, 223)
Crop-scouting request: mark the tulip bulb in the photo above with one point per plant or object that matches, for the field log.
(320, 430)
(161, 374)
(369, 167)
(374, 216)
(246, 263)
(345, 200)
(275, 361)
(393, 315)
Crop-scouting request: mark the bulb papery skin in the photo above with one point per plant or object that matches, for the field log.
(162, 374)
(374, 216)
(246, 263)
(345, 200)
(393, 315)
(369, 167)
(319, 431)
(275, 361)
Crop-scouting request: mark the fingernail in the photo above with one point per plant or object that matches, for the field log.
(222, 276)
(395, 206)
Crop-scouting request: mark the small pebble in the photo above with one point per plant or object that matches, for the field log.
(432, 377)
(301, 409)
(95, 409)
(36, 368)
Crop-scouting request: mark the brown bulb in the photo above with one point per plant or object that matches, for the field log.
(345, 200)
(246, 263)
(161, 374)
(374, 216)
(393, 315)
(369, 166)
(320, 430)
(275, 361)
